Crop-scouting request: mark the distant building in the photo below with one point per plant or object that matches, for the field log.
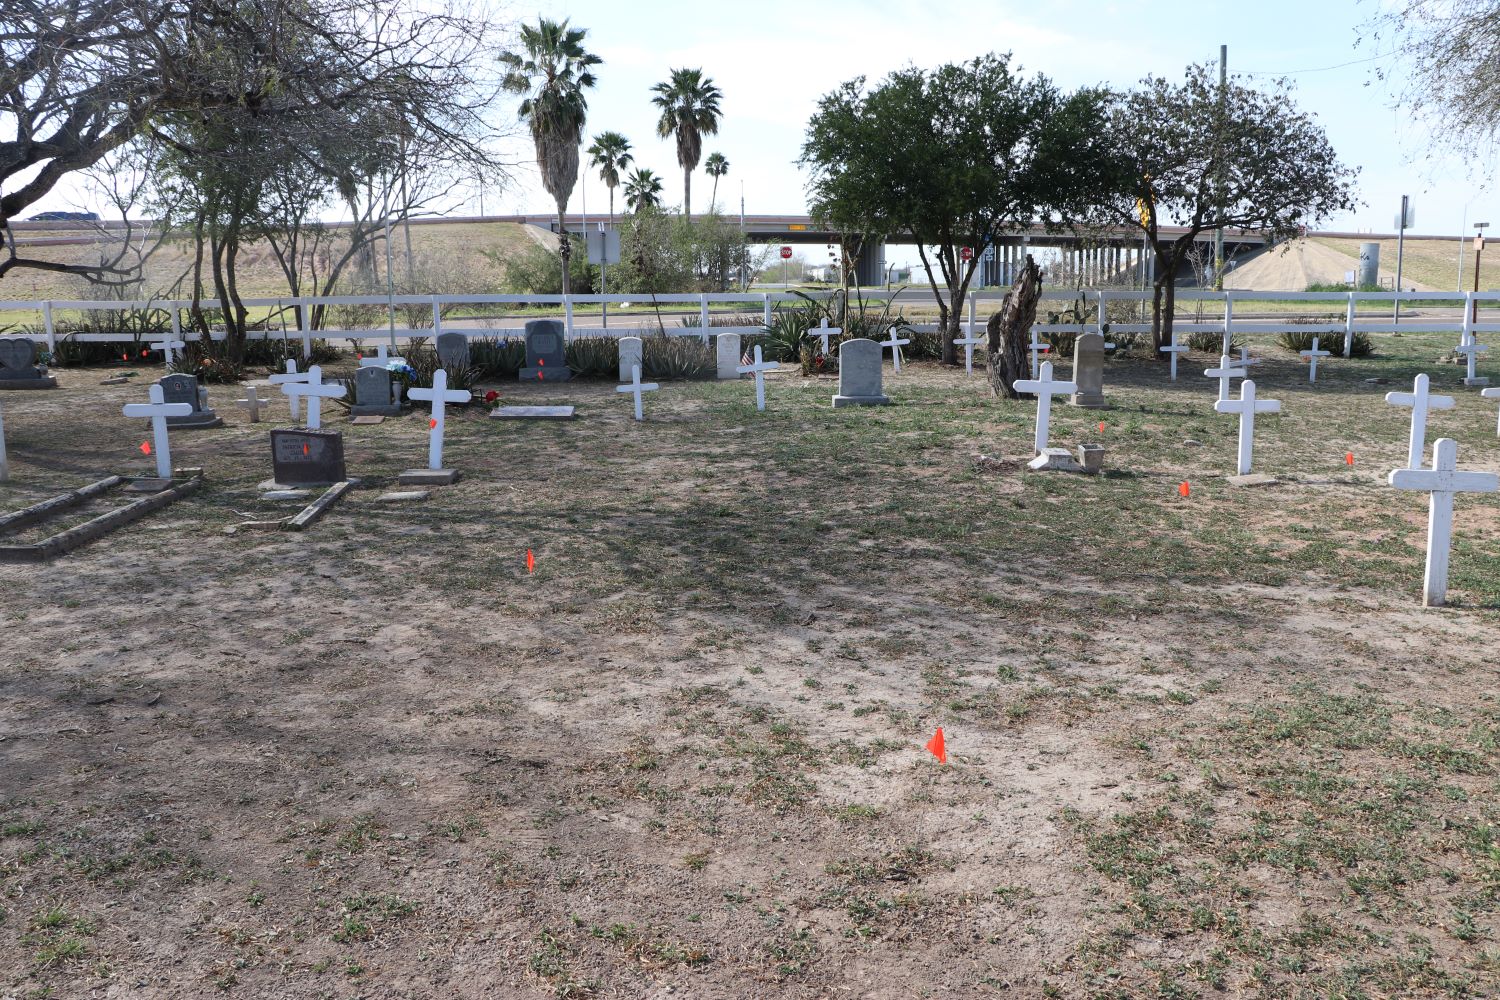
(65, 217)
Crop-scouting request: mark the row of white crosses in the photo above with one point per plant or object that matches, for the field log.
(1441, 481)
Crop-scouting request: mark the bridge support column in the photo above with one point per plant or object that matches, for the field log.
(869, 271)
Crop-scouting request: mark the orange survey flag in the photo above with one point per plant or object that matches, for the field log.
(936, 746)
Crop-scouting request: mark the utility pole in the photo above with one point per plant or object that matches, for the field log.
(1401, 224)
(1478, 252)
(1219, 232)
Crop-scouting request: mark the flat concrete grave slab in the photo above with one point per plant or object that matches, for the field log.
(1252, 479)
(66, 541)
(532, 413)
(1054, 460)
(428, 477)
(314, 511)
(403, 496)
(367, 421)
(286, 494)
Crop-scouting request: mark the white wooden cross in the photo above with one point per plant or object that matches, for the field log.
(823, 332)
(251, 404)
(1492, 394)
(439, 395)
(636, 386)
(292, 375)
(968, 343)
(167, 345)
(1441, 482)
(759, 368)
(1420, 402)
(895, 345)
(381, 358)
(1312, 355)
(1171, 349)
(159, 410)
(1036, 345)
(1227, 370)
(1247, 406)
(1244, 360)
(316, 390)
(1045, 388)
(1470, 350)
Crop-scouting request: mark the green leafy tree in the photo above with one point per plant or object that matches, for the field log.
(610, 155)
(553, 70)
(715, 166)
(955, 157)
(643, 190)
(1203, 157)
(689, 104)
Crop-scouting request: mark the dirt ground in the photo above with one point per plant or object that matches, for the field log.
(1198, 746)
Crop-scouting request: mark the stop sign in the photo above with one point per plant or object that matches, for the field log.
(967, 253)
(786, 253)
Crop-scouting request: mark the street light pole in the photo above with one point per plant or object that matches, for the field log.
(1400, 254)
(1478, 253)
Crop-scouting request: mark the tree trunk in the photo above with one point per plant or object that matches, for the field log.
(687, 195)
(1010, 332)
(566, 249)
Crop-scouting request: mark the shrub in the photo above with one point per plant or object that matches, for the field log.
(594, 356)
(210, 361)
(1210, 342)
(422, 364)
(1295, 340)
(677, 358)
(497, 357)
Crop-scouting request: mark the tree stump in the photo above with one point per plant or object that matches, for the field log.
(1010, 332)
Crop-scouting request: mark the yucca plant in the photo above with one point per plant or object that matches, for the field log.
(1210, 342)
(497, 357)
(598, 357)
(1295, 340)
(677, 358)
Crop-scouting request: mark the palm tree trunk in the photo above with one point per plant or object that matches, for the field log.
(566, 249)
(714, 198)
(687, 195)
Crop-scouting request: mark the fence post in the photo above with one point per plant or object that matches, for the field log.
(437, 320)
(1228, 323)
(567, 319)
(47, 324)
(1349, 327)
(1467, 337)
(765, 298)
(703, 318)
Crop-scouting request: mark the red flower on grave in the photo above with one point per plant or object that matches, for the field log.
(491, 396)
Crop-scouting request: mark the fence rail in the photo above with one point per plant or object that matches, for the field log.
(1096, 302)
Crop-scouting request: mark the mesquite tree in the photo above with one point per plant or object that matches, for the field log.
(1195, 155)
(955, 157)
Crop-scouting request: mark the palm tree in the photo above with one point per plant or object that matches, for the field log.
(715, 166)
(689, 105)
(610, 153)
(642, 190)
(553, 71)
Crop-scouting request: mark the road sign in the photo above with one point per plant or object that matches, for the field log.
(786, 253)
(967, 253)
(1478, 242)
(604, 246)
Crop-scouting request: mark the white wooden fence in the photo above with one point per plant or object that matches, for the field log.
(1095, 302)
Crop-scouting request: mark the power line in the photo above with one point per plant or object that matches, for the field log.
(1318, 69)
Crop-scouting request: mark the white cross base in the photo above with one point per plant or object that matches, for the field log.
(158, 410)
(316, 390)
(439, 396)
(822, 332)
(1045, 388)
(251, 404)
(895, 345)
(1441, 482)
(1312, 355)
(636, 386)
(1470, 351)
(1420, 401)
(1227, 370)
(1247, 406)
(758, 368)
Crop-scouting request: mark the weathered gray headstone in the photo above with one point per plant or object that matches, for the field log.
(1088, 371)
(532, 413)
(860, 374)
(183, 388)
(728, 347)
(307, 458)
(375, 393)
(630, 355)
(18, 367)
(546, 352)
(453, 350)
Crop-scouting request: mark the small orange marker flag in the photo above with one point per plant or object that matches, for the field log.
(432, 424)
(1348, 458)
(530, 561)
(305, 450)
(1101, 427)
(145, 447)
(125, 356)
(1185, 489)
(937, 747)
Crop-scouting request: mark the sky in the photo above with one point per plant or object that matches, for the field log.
(773, 60)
